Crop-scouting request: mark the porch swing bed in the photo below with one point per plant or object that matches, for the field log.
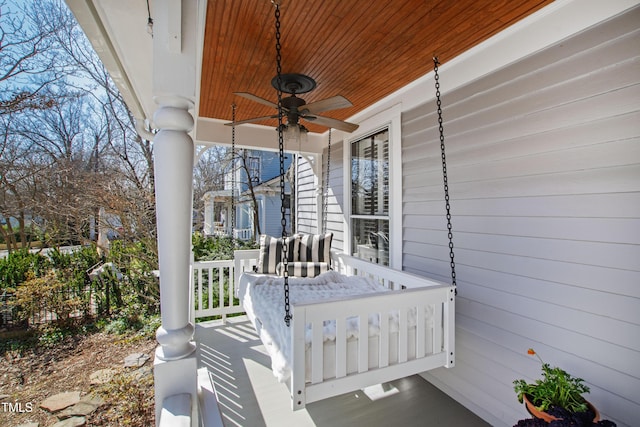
(354, 326)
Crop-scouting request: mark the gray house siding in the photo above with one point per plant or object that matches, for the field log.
(306, 202)
(309, 220)
(544, 175)
(335, 209)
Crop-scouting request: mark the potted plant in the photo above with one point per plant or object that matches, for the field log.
(557, 399)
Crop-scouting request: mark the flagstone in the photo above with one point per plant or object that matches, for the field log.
(60, 401)
(102, 376)
(71, 422)
(135, 360)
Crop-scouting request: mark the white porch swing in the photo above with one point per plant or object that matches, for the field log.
(357, 325)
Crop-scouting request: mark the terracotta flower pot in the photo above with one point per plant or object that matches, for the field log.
(548, 418)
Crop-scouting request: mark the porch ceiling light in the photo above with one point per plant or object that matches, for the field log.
(294, 134)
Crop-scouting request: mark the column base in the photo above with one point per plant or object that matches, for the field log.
(173, 377)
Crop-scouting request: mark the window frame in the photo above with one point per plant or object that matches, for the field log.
(389, 119)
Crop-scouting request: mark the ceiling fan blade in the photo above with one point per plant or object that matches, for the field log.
(332, 123)
(333, 103)
(254, 119)
(256, 99)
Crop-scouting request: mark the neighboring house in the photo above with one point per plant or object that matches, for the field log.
(542, 126)
(262, 175)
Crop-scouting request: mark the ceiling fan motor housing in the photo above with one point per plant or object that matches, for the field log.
(294, 83)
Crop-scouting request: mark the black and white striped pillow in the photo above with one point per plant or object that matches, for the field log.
(304, 269)
(315, 247)
(271, 252)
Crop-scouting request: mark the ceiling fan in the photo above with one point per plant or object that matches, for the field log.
(296, 108)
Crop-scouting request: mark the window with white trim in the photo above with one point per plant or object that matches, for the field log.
(254, 168)
(370, 214)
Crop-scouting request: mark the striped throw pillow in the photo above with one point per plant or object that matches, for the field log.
(303, 269)
(315, 247)
(271, 252)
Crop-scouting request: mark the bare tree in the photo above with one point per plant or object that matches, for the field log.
(63, 160)
(29, 63)
(242, 160)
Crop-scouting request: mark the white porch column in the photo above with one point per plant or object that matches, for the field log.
(208, 215)
(174, 65)
(174, 150)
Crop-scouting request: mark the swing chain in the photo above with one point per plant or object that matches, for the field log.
(325, 190)
(283, 217)
(444, 172)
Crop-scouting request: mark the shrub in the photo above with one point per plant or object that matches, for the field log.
(47, 293)
(216, 248)
(14, 268)
(131, 399)
(137, 262)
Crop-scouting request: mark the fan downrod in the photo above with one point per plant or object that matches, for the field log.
(294, 83)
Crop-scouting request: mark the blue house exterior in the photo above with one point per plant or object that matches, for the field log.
(262, 173)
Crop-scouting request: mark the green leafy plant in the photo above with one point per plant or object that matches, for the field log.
(45, 294)
(556, 388)
(207, 248)
(14, 268)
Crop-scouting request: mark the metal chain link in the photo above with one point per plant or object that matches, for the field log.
(325, 190)
(283, 218)
(444, 172)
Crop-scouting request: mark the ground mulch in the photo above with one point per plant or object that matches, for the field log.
(27, 378)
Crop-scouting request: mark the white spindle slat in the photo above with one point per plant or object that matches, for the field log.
(341, 347)
(437, 330)
(420, 331)
(363, 343)
(402, 335)
(317, 346)
(221, 297)
(200, 290)
(209, 288)
(232, 285)
(383, 358)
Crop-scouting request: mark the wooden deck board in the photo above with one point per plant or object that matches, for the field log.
(249, 395)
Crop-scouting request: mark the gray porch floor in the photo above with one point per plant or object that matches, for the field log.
(250, 396)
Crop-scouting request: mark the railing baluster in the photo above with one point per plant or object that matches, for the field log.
(210, 288)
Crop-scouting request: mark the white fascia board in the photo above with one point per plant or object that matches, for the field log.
(117, 30)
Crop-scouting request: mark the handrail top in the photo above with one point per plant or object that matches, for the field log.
(214, 263)
(399, 274)
(376, 295)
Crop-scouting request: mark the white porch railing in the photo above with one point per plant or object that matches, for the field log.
(213, 289)
(243, 234)
(214, 285)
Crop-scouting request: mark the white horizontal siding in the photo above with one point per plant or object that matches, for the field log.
(307, 206)
(544, 176)
(335, 217)
(306, 182)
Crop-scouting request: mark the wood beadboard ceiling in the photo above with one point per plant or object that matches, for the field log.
(363, 50)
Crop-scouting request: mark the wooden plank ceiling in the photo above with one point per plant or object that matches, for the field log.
(361, 49)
